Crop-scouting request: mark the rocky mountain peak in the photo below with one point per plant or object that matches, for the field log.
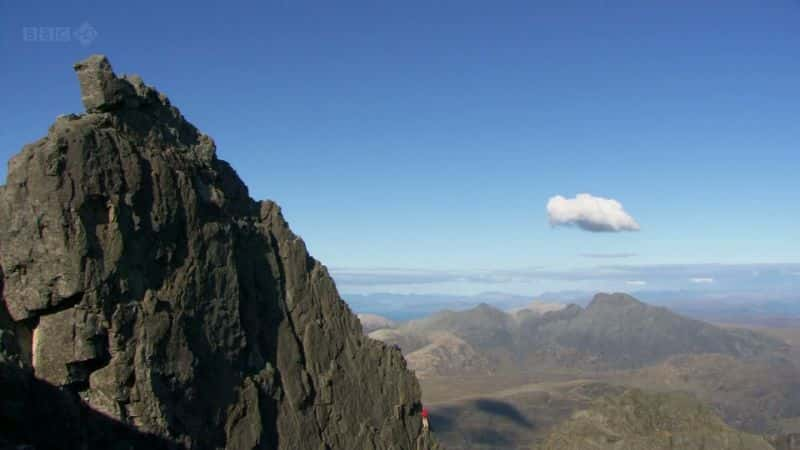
(145, 287)
(486, 308)
(619, 300)
(101, 90)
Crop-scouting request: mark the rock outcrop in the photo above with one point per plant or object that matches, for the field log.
(787, 442)
(144, 285)
(447, 354)
(636, 420)
(372, 322)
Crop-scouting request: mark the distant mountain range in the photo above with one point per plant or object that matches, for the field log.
(750, 380)
(401, 307)
(615, 331)
(762, 308)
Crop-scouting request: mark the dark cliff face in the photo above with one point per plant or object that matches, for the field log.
(138, 275)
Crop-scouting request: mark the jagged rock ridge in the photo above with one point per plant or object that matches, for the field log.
(139, 275)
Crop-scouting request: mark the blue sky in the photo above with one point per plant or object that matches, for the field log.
(427, 137)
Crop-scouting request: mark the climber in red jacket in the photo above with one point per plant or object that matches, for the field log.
(425, 424)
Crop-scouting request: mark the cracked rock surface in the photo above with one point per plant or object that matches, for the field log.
(143, 284)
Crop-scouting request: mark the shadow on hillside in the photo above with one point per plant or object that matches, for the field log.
(503, 410)
(487, 423)
(35, 414)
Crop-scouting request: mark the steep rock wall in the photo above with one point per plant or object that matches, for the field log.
(141, 277)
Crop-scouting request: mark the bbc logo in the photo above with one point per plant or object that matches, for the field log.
(85, 34)
(47, 34)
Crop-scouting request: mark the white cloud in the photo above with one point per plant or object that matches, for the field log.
(636, 283)
(701, 280)
(590, 213)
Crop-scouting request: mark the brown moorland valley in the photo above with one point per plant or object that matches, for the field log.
(496, 379)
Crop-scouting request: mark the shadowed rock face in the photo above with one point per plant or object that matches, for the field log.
(139, 276)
